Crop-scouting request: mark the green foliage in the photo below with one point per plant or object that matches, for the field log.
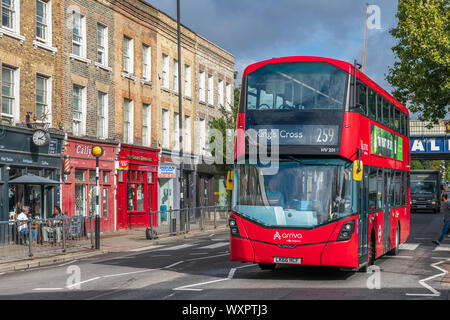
(226, 122)
(421, 73)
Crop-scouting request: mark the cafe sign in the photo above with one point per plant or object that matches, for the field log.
(385, 143)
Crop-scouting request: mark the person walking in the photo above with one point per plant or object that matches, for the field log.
(446, 210)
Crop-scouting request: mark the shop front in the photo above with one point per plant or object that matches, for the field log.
(79, 185)
(168, 187)
(29, 172)
(137, 186)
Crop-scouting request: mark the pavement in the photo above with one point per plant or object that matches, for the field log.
(117, 241)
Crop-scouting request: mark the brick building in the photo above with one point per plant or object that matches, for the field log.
(89, 107)
(31, 85)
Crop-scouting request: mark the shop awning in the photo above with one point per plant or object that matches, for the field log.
(33, 179)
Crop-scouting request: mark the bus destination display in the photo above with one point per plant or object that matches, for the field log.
(324, 135)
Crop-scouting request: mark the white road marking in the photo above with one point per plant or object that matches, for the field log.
(229, 277)
(442, 247)
(145, 248)
(85, 281)
(434, 293)
(409, 246)
(215, 245)
(47, 289)
(181, 246)
(173, 265)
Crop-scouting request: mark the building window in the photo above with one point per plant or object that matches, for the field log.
(9, 89)
(210, 89)
(187, 133)
(220, 88)
(102, 115)
(79, 110)
(146, 121)
(128, 55)
(102, 44)
(165, 129)
(43, 21)
(201, 136)
(202, 86)
(10, 14)
(176, 131)
(78, 34)
(228, 97)
(175, 75)
(43, 98)
(146, 62)
(165, 71)
(187, 80)
(128, 121)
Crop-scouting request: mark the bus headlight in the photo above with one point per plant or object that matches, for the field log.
(233, 226)
(346, 231)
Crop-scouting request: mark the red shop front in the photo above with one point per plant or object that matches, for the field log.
(137, 192)
(78, 190)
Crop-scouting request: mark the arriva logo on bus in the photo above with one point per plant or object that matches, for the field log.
(287, 236)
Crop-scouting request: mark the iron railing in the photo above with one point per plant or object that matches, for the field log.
(180, 221)
(50, 236)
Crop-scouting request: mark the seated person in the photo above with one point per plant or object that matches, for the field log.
(53, 226)
(275, 197)
(22, 224)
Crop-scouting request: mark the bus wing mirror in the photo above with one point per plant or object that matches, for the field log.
(357, 170)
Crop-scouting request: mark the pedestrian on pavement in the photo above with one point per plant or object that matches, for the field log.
(22, 223)
(446, 210)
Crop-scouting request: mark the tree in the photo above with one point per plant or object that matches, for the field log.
(222, 124)
(421, 74)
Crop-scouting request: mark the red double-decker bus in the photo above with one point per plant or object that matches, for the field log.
(340, 193)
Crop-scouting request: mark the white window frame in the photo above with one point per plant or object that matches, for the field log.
(103, 133)
(165, 71)
(128, 43)
(228, 96)
(15, 108)
(175, 75)
(79, 124)
(187, 133)
(176, 131)
(105, 49)
(48, 98)
(201, 131)
(165, 128)
(210, 89)
(220, 95)
(146, 124)
(202, 86)
(187, 80)
(47, 23)
(82, 35)
(146, 62)
(128, 132)
(14, 28)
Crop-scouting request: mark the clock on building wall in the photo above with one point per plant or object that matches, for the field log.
(41, 137)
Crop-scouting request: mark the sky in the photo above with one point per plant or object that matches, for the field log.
(255, 30)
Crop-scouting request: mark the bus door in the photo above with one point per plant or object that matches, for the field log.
(363, 197)
(387, 210)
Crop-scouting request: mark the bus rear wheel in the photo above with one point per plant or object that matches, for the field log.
(267, 266)
(372, 251)
(395, 250)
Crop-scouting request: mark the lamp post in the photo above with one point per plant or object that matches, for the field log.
(180, 108)
(97, 152)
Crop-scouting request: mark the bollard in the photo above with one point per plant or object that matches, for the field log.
(97, 232)
(30, 242)
(64, 234)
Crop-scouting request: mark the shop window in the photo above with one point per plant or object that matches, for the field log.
(120, 176)
(105, 203)
(105, 178)
(80, 175)
(149, 177)
(92, 176)
(131, 192)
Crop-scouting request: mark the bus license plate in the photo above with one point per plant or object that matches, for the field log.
(287, 260)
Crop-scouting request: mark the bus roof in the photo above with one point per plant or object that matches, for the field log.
(346, 66)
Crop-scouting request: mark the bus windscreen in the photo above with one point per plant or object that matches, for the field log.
(297, 86)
